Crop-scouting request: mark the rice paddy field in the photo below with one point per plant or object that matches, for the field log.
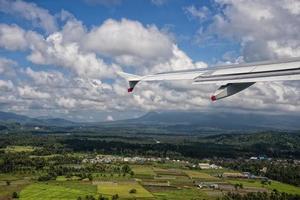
(149, 182)
(275, 185)
(44, 191)
(123, 190)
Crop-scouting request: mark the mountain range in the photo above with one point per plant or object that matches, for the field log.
(205, 120)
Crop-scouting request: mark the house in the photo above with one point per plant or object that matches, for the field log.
(204, 166)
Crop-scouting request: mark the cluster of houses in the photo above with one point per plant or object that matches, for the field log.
(208, 166)
(107, 159)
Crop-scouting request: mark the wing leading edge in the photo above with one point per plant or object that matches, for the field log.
(232, 78)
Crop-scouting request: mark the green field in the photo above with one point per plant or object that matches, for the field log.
(18, 149)
(200, 175)
(122, 189)
(187, 194)
(71, 190)
(143, 170)
(282, 187)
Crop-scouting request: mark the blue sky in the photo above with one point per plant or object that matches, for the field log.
(59, 58)
(169, 15)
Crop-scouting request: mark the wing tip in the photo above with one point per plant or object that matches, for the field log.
(130, 90)
(213, 98)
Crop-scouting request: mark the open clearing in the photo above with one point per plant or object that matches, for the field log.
(199, 175)
(143, 170)
(49, 191)
(122, 189)
(18, 149)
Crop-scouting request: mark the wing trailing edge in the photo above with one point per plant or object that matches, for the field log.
(232, 78)
(131, 78)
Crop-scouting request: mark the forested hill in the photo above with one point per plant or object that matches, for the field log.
(179, 121)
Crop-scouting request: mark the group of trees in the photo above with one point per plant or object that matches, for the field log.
(283, 171)
(260, 196)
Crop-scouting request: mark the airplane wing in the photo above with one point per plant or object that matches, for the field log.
(232, 78)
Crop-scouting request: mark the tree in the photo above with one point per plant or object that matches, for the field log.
(15, 195)
(132, 191)
(126, 169)
(102, 197)
(115, 197)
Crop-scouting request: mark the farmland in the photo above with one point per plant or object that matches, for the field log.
(80, 168)
(148, 181)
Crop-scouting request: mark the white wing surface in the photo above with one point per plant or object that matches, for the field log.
(232, 78)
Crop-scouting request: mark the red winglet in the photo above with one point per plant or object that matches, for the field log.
(130, 89)
(213, 98)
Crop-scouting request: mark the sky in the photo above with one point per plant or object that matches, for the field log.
(60, 58)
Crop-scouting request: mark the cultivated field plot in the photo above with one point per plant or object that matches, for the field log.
(281, 187)
(199, 175)
(194, 194)
(49, 191)
(123, 189)
(143, 170)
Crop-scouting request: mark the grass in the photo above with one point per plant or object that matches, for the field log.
(215, 172)
(122, 189)
(187, 194)
(281, 187)
(143, 170)
(42, 191)
(18, 149)
(200, 175)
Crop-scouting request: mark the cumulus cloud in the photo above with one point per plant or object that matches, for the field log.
(7, 67)
(30, 11)
(75, 66)
(129, 42)
(66, 102)
(6, 85)
(261, 27)
(29, 92)
(12, 37)
(263, 31)
(46, 78)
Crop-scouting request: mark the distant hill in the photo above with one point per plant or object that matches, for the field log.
(7, 117)
(177, 121)
(232, 121)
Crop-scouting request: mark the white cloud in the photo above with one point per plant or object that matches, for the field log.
(199, 13)
(79, 57)
(129, 42)
(12, 37)
(66, 102)
(266, 29)
(7, 67)
(53, 78)
(6, 85)
(29, 92)
(70, 56)
(30, 11)
(109, 118)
